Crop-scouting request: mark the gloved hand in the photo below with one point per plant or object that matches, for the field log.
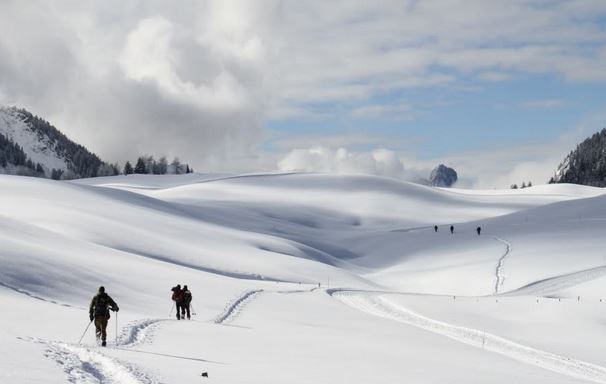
(90, 317)
(116, 309)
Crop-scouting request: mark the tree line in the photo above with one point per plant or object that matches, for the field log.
(149, 165)
(524, 185)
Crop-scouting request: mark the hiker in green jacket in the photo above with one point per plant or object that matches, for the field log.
(99, 312)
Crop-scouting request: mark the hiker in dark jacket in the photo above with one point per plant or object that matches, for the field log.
(452, 229)
(479, 229)
(186, 302)
(99, 312)
(435, 228)
(178, 299)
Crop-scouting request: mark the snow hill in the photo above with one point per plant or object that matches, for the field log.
(301, 278)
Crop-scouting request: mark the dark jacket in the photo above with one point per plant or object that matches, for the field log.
(100, 305)
(187, 297)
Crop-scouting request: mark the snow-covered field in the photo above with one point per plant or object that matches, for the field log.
(302, 278)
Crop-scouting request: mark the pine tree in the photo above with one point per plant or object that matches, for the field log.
(140, 166)
(530, 184)
(523, 185)
(514, 186)
(128, 168)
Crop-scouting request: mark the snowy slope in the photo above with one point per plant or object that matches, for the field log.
(38, 148)
(253, 249)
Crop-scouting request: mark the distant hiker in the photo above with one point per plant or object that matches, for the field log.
(99, 311)
(452, 229)
(186, 303)
(435, 228)
(479, 229)
(178, 299)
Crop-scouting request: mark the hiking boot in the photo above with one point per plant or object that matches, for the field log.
(103, 343)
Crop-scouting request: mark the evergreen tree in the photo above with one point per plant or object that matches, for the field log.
(530, 184)
(161, 166)
(514, 186)
(523, 185)
(140, 166)
(176, 167)
(128, 168)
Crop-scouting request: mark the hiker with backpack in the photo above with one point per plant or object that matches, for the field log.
(178, 298)
(186, 303)
(99, 312)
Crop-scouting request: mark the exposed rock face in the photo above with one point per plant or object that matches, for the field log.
(585, 165)
(443, 176)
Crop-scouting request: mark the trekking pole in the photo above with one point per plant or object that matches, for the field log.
(193, 311)
(116, 329)
(79, 341)
(171, 309)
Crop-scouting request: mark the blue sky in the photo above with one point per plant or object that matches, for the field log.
(474, 114)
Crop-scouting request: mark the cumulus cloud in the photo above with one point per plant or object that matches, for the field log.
(380, 162)
(201, 79)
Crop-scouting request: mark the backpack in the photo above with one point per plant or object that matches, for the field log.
(177, 295)
(101, 304)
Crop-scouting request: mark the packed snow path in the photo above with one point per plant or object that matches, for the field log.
(234, 307)
(376, 305)
(85, 365)
(499, 277)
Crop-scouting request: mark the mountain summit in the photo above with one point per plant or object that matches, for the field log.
(31, 146)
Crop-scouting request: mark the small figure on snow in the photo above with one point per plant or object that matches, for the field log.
(178, 297)
(99, 312)
(186, 303)
(479, 229)
(452, 229)
(435, 228)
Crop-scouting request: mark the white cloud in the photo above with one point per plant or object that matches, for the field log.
(398, 111)
(342, 161)
(200, 79)
(544, 104)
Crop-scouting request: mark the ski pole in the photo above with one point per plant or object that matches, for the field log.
(79, 341)
(116, 329)
(171, 309)
(193, 311)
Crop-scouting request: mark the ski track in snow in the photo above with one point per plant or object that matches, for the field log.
(87, 366)
(378, 306)
(83, 364)
(499, 277)
(235, 306)
(138, 332)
